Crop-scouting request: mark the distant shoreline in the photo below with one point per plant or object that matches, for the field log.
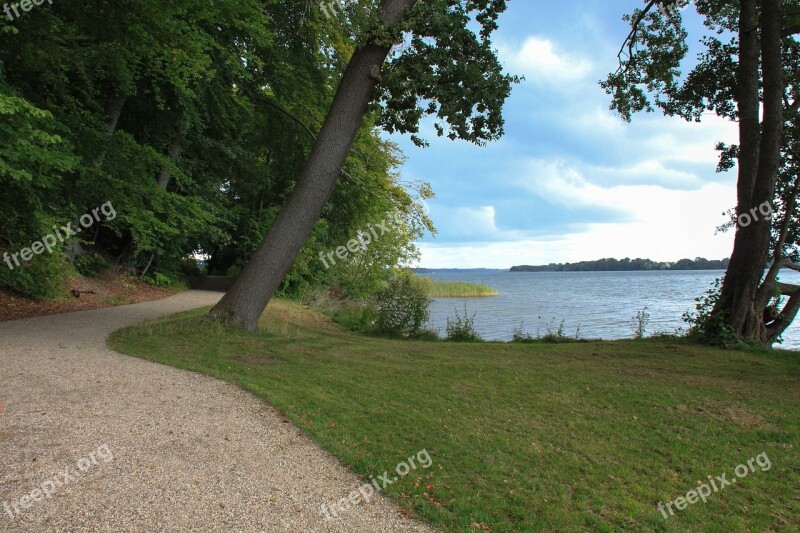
(631, 270)
(627, 265)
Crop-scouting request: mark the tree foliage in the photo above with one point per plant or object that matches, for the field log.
(747, 72)
(194, 119)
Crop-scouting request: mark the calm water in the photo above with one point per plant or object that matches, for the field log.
(603, 304)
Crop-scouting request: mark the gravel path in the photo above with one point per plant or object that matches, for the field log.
(121, 444)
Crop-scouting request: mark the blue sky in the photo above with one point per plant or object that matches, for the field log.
(570, 180)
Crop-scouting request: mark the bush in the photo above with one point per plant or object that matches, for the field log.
(191, 268)
(43, 277)
(401, 309)
(357, 318)
(708, 327)
(521, 335)
(557, 335)
(462, 329)
(160, 280)
(191, 271)
(91, 264)
(641, 319)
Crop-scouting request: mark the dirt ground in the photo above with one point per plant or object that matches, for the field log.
(108, 290)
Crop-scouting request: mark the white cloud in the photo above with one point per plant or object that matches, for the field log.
(565, 149)
(669, 139)
(540, 61)
(558, 182)
(661, 224)
(467, 222)
(648, 171)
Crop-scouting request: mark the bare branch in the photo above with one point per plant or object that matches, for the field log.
(788, 264)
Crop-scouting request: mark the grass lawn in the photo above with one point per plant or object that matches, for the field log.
(523, 437)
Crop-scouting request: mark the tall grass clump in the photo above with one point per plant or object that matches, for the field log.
(462, 328)
(452, 289)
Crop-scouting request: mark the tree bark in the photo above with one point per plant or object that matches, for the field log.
(741, 303)
(174, 151)
(112, 111)
(244, 303)
(787, 314)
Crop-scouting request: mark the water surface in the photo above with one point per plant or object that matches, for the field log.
(601, 304)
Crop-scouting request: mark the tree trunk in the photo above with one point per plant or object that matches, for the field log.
(112, 111)
(244, 303)
(741, 304)
(174, 151)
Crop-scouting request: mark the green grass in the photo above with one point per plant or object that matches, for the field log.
(452, 289)
(523, 437)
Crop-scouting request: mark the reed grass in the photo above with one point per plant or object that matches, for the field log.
(453, 289)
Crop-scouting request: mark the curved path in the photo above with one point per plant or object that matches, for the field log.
(91, 440)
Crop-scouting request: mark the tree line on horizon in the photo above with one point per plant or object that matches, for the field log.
(626, 264)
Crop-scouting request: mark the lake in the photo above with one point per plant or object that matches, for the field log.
(601, 304)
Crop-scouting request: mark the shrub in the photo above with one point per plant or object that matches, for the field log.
(43, 277)
(521, 335)
(358, 318)
(401, 309)
(707, 327)
(641, 320)
(558, 336)
(91, 264)
(190, 268)
(462, 329)
(160, 280)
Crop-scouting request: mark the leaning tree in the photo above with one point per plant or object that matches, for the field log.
(747, 73)
(411, 59)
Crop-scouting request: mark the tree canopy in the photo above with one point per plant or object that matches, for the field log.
(193, 119)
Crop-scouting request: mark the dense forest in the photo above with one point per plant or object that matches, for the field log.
(191, 120)
(613, 265)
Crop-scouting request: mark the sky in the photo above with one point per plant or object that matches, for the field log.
(570, 180)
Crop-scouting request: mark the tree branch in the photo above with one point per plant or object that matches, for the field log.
(788, 289)
(630, 40)
(264, 99)
(778, 261)
(787, 315)
(788, 264)
(790, 30)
